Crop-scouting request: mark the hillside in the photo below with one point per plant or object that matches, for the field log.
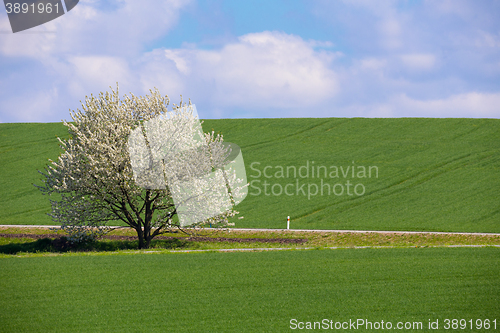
(409, 173)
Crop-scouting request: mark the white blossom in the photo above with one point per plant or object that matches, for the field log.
(99, 184)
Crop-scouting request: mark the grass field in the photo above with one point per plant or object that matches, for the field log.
(247, 292)
(25, 148)
(433, 174)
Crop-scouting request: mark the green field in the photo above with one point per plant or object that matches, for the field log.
(247, 292)
(432, 174)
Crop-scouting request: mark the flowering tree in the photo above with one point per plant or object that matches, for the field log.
(99, 182)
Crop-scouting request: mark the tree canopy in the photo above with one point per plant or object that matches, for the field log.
(133, 160)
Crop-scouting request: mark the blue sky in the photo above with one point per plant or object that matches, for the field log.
(261, 59)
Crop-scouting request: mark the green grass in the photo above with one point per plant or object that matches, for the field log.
(433, 174)
(246, 292)
(24, 149)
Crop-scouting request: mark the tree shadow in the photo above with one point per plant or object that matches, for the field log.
(62, 245)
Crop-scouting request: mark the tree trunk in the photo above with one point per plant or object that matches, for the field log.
(147, 235)
(140, 234)
(148, 216)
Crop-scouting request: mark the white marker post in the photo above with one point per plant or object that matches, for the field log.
(288, 223)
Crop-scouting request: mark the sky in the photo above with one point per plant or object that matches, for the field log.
(260, 59)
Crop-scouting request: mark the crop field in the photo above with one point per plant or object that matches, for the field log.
(433, 174)
(248, 292)
(409, 173)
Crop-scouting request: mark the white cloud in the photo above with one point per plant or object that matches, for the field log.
(93, 72)
(26, 44)
(88, 54)
(88, 29)
(180, 62)
(272, 68)
(467, 105)
(84, 51)
(458, 8)
(157, 69)
(32, 106)
(268, 69)
(486, 39)
(419, 61)
(444, 56)
(390, 27)
(473, 104)
(372, 63)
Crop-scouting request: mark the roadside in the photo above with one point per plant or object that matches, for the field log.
(300, 230)
(25, 240)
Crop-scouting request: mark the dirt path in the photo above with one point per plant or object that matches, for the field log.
(307, 230)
